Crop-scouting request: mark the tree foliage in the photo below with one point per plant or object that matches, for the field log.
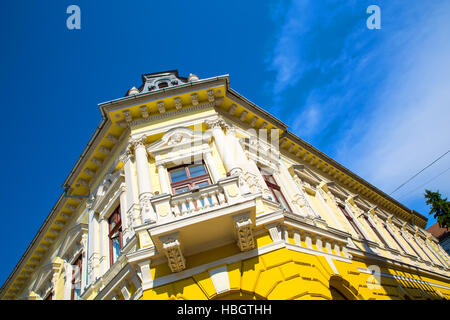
(440, 207)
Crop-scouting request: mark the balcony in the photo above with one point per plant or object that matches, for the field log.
(200, 218)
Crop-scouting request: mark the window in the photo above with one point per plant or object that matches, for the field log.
(115, 235)
(336, 294)
(423, 250)
(351, 221)
(187, 177)
(412, 247)
(163, 85)
(76, 278)
(275, 189)
(394, 237)
(374, 229)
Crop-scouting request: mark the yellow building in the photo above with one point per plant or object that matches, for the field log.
(187, 190)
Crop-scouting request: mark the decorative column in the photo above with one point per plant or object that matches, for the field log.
(292, 185)
(68, 271)
(355, 213)
(163, 179)
(144, 183)
(256, 181)
(84, 264)
(124, 216)
(211, 166)
(131, 205)
(222, 145)
(230, 151)
(104, 246)
(302, 200)
(235, 148)
(94, 253)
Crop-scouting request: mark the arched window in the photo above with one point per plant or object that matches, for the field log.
(336, 294)
(163, 85)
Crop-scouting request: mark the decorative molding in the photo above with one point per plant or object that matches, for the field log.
(97, 161)
(177, 103)
(139, 142)
(172, 113)
(244, 225)
(243, 116)
(210, 94)
(127, 115)
(112, 138)
(194, 99)
(172, 250)
(144, 111)
(161, 107)
(232, 109)
(104, 150)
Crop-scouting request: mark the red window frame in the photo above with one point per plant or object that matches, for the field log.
(77, 263)
(190, 182)
(412, 247)
(394, 237)
(351, 221)
(375, 231)
(424, 251)
(273, 185)
(112, 231)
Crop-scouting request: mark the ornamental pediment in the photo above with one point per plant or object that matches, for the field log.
(100, 196)
(72, 240)
(307, 175)
(43, 278)
(178, 140)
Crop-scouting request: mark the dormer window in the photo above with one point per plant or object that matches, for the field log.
(163, 85)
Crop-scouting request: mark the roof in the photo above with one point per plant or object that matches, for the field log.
(438, 232)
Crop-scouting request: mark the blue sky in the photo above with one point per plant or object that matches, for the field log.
(377, 101)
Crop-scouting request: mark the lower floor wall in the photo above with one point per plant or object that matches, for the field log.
(285, 274)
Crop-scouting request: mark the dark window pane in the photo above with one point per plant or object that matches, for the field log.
(178, 175)
(270, 179)
(281, 199)
(202, 184)
(182, 189)
(112, 224)
(197, 170)
(115, 248)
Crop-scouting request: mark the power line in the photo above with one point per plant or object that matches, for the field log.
(440, 174)
(419, 172)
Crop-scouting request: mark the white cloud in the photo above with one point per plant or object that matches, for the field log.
(409, 126)
(392, 96)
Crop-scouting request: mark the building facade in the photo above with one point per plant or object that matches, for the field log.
(187, 190)
(442, 234)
